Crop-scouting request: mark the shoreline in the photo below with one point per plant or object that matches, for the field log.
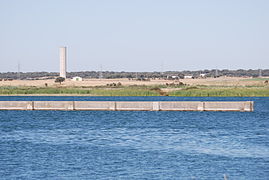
(47, 95)
(88, 95)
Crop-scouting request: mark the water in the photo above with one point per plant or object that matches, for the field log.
(134, 145)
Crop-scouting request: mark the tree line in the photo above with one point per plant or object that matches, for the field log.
(136, 75)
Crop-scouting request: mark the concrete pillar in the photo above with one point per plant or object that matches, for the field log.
(201, 106)
(63, 62)
(248, 106)
(156, 106)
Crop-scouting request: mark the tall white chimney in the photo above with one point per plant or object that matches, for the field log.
(63, 62)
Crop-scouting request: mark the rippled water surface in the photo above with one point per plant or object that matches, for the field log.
(134, 144)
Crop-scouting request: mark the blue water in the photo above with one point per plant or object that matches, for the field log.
(134, 145)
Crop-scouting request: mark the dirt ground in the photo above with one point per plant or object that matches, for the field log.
(222, 81)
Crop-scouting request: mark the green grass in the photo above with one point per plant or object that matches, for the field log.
(256, 79)
(92, 91)
(35, 90)
(140, 91)
(124, 92)
(235, 92)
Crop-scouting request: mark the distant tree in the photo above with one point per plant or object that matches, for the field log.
(59, 80)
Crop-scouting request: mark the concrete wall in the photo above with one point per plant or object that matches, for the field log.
(16, 105)
(128, 105)
(53, 105)
(229, 106)
(181, 106)
(134, 106)
(94, 105)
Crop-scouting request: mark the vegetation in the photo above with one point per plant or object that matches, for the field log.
(140, 91)
(222, 92)
(134, 75)
(78, 91)
(256, 79)
(59, 80)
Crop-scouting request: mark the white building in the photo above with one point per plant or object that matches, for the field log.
(188, 77)
(77, 78)
(172, 77)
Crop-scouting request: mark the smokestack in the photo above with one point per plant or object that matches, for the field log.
(63, 62)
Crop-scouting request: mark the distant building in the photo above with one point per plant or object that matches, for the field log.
(188, 77)
(172, 77)
(77, 78)
(202, 75)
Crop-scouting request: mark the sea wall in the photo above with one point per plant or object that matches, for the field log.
(129, 105)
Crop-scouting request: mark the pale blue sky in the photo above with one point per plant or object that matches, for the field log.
(137, 35)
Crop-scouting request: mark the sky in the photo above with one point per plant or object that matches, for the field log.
(134, 35)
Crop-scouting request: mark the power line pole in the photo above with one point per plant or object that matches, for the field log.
(260, 73)
(101, 72)
(216, 73)
(19, 71)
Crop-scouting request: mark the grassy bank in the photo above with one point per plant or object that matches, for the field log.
(141, 91)
(98, 91)
(231, 92)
